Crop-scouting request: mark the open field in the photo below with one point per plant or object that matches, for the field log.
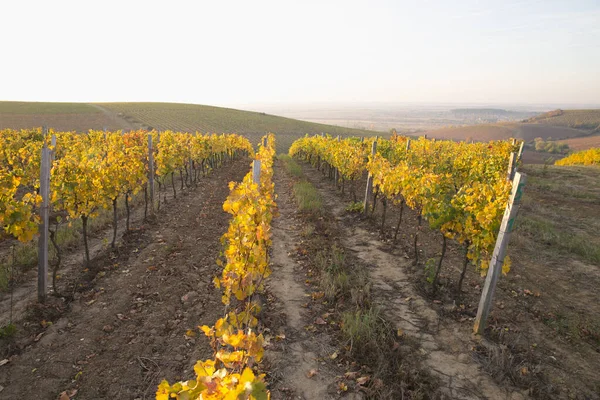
(582, 143)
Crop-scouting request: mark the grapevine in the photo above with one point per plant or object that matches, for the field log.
(237, 347)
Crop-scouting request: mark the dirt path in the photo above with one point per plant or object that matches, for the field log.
(444, 346)
(301, 351)
(127, 332)
(118, 120)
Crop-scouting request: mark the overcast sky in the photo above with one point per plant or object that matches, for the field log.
(244, 52)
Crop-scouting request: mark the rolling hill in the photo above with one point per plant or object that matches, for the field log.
(163, 116)
(579, 119)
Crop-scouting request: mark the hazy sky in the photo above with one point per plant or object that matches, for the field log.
(241, 52)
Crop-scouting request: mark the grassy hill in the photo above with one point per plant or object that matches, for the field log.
(577, 119)
(163, 116)
(78, 117)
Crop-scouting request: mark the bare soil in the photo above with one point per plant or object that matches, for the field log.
(299, 354)
(125, 330)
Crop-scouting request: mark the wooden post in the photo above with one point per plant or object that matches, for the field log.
(513, 141)
(335, 171)
(151, 172)
(53, 151)
(256, 172)
(44, 218)
(512, 162)
(425, 136)
(369, 189)
(407, 144)
(264, 142)
(520, 150)
(495, 268)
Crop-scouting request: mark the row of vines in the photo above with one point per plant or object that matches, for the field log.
(90, 172)
(231, 372)
(460, 189)
(585, 157)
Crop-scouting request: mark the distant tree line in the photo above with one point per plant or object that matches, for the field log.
(550, 146)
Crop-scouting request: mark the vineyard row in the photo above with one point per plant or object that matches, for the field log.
(460, 189)
(231, 372)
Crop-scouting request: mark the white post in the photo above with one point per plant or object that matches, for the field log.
(495, 268)
(256, 172)
(44, 217)
(369, 189)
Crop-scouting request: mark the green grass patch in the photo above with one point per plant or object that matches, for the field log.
(8, 331)
(291, 166)
(574, 327)
(307, 198)
(544, 231)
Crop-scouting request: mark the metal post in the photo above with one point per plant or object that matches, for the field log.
(495, 268)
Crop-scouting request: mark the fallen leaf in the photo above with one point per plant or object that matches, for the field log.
(190, 333)
(64, 396)
(351, 375)
(311, 373)
(362, 380)
(320, 321)
(334, 355)
(38, 337)
(5, 361)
